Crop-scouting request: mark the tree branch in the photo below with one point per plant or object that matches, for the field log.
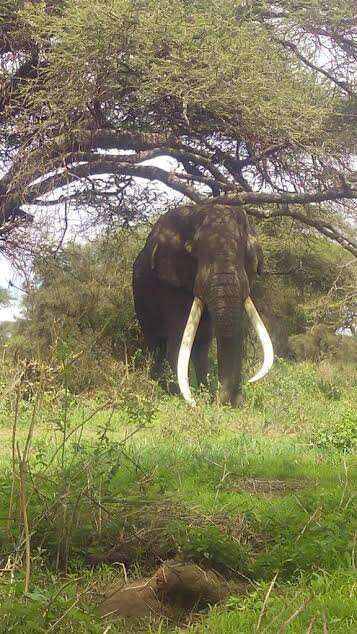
(291, 198)
(293, 47)
(111, 165)
(326, 228)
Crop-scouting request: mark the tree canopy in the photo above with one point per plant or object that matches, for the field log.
(253, 102)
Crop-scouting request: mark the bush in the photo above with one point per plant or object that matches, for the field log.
(320, 342)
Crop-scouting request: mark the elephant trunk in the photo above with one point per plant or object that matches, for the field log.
(224, 296)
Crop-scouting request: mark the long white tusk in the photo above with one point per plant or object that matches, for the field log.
(185, 349)
(263, 337)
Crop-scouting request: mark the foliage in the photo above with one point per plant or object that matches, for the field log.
(236, 98)
(4, 297)
(323, 601)
(296, 295)
(210, 546)
(80, 309)
(33, 612)
(178, 44)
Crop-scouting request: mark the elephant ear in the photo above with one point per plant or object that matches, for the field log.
(162, 263)
(169, 249)
(177, 268)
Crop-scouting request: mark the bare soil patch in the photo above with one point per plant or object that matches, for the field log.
(175, 591)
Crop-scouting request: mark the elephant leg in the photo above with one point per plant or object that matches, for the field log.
(172, 351)
(158, 352)
(199, 357)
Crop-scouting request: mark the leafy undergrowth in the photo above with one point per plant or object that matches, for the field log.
(115, 486)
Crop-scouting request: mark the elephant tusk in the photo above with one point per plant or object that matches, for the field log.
(188, 338)
(263, 337)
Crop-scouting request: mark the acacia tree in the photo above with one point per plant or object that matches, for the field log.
(252, 99)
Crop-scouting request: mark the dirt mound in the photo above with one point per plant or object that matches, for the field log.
(175, 590)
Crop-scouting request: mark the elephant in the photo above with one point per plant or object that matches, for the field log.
(191, 281)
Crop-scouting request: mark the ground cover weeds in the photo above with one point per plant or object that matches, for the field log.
(94, 489)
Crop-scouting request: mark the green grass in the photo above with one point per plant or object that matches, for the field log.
(263, 491)
(326, 602)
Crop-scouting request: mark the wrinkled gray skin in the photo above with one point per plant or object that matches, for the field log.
(209, 252)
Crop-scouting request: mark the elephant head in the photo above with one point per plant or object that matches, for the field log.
(212, 252)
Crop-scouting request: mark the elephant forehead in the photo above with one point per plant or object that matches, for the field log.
(223, 222)
(220, 239)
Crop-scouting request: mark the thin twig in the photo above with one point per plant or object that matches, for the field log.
(262, 611)
(56, 594)
(346, 482)
(13, 450)
(308, 523)
(294, 615)
(311, 625)
(324, 622)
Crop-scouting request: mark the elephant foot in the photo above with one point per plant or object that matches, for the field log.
(227, 398)
(238, 400)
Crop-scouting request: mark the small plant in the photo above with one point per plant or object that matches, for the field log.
(342, 435)
(209, 545)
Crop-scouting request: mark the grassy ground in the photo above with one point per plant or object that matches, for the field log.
(263, 495)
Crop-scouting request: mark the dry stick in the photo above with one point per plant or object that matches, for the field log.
(100, 515)
(324, 622)
(346, 482)
(25, 517)
(295, 615)
(289, 604)
(311, 518)
(311, 624)
(13, 448)
(31, 428)
(265, 602)
(54, 625)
